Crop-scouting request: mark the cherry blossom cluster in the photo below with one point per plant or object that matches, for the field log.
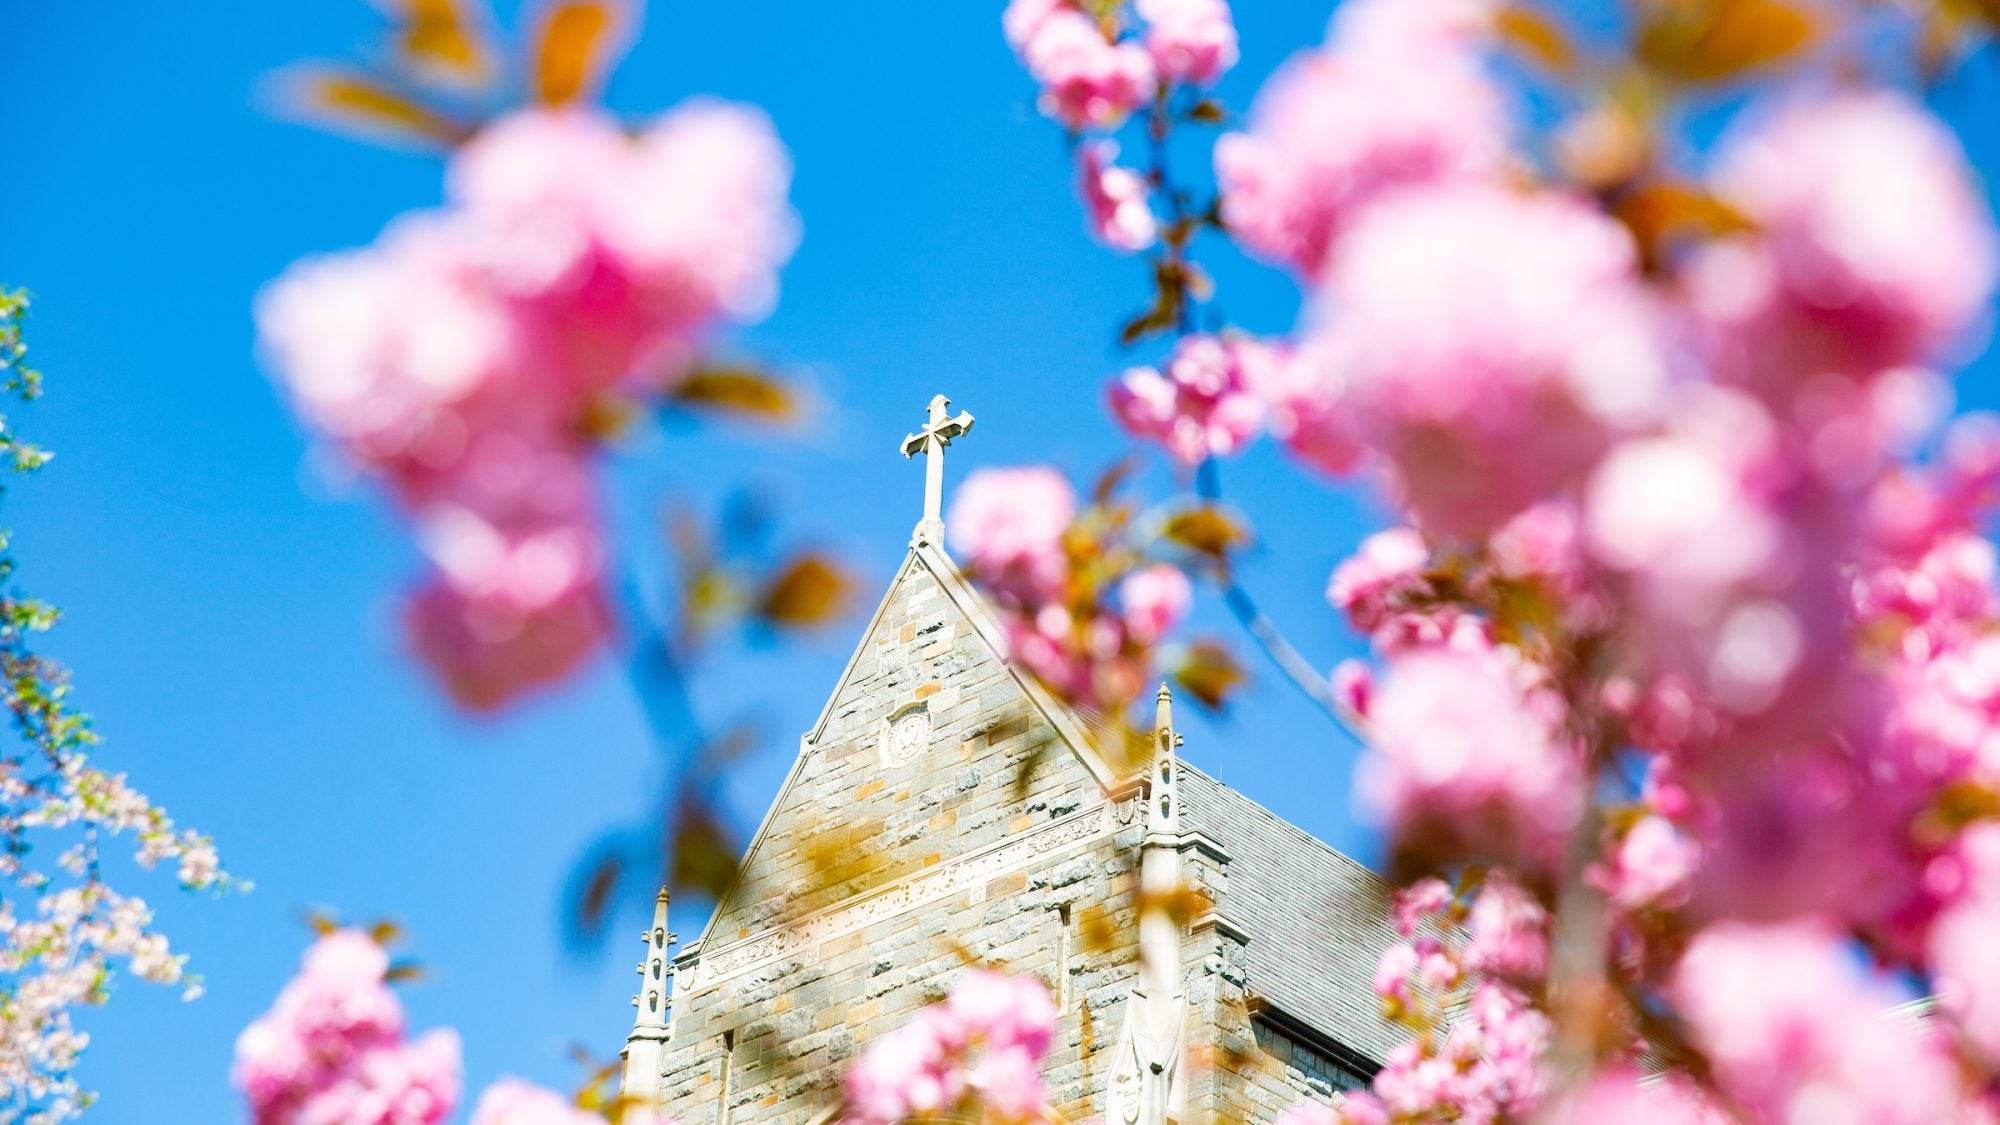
(474, 358)
(60, 959)
(979, 1049)
(66, 932)
(1083, 610)
(1209, 401)
(1667, 528)
(333, 1048)
(1098, 65)
(1094, 72)
(1457, 981)
(1687, 638)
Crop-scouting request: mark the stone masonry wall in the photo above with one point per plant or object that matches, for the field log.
(758, 1038)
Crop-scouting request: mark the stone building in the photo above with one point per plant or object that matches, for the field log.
(946, 810)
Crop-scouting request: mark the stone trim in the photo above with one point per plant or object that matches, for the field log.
(1222, 924)
(969, 872)
(1317, 1042)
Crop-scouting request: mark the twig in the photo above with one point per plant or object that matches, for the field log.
(1282, 652)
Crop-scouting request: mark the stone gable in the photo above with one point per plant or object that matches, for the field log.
(929, 749)
(944, 812)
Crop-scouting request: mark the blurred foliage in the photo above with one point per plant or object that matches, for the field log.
(737, 392)
(440, 72)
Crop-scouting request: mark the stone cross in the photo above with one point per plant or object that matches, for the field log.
(931, 441)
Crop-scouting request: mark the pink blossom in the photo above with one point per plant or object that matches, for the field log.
(511, 1101)
(1685, 508)
(1202, 406)
(1417, 902)
(1004, 1009)
(909, 1070)
(1044, 642)
(1622, 1096)
(1510, 932)
(1023, 18)
(1394, 970)
(1814, 829)
(1731, 553)
(389, 350)
(1088, 81)
(1154, 600)
(459, 356)
(1490, 344)
(1650, 867)
(1960, 944)
(1387, 568)
(411, 1084)
(1872, 249)
(1543, 542)
(491, 647)
(1338, 128)
(1485, 1070)
(987, 1038)
(534, 180)
(1907, 509)
(1190, 40)
(1467, 756)
(1114, 198)
(1008, 525)
(704, 219)
(1357, 1107)
(1794, 1030)
(1403, 28)
(331, 1049)
(1353, 684)
(1008, 1081)
(692, 210)
(1940, 601)
(618, 249)
(1303, 395)
(340, 996)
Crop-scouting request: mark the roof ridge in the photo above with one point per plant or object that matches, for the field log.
(1188, 767)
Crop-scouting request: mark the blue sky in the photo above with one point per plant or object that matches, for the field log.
(228, 614)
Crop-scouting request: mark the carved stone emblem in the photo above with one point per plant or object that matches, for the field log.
(905, 735)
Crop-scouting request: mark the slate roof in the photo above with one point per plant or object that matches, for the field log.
(1318, 921)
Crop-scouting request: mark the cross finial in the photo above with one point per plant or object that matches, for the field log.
(930, 441)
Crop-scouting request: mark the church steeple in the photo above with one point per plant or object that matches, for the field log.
(647, 1043)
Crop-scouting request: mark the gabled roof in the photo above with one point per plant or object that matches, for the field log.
(1070, 728)
(1317, 920)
